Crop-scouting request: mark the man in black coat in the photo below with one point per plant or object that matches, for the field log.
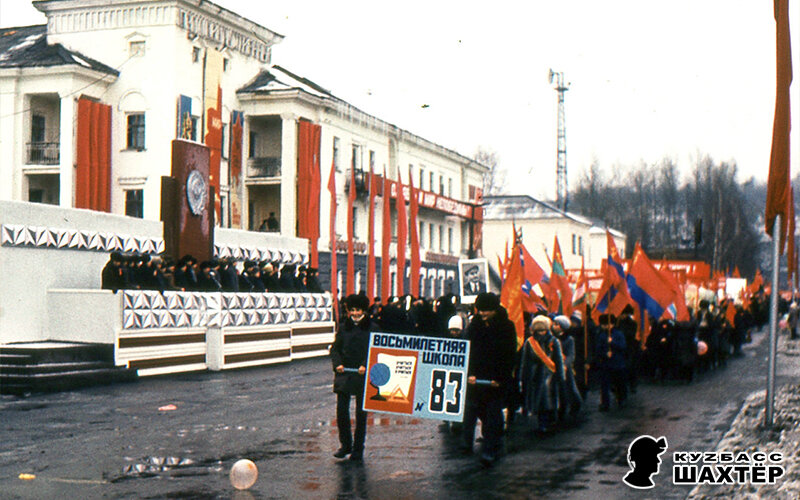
(493, 346)
(350, 350)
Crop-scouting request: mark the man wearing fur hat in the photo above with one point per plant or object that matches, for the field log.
(610, 362)
(493, 344)
(350, 350)
(542, 368)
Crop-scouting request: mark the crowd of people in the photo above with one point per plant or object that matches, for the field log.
(146, 272)
(543, 382)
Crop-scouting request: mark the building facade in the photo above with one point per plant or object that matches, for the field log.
(91, 102)
(582, 240)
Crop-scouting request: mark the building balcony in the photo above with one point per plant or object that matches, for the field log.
(264, 168)
(43, 153)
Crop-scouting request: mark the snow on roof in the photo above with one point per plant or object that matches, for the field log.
(26, 46)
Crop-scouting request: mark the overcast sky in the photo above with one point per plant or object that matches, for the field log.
(654, 79)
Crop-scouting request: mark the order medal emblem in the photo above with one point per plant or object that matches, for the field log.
(196, 192)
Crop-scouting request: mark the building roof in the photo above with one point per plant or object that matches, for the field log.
(277, 80)
(27, 47)
(524, 207)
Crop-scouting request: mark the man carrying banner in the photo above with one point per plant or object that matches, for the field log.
(349, 359)
(491, 362)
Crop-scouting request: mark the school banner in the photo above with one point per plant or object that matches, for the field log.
(417, 376)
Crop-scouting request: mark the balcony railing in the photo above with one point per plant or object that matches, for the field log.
(264, 167)
(43, 153)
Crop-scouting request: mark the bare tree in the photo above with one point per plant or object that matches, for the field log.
(494, 181)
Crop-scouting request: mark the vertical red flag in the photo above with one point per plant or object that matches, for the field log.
(778, 181)
(371, 237)
(415, 257)
(581, 287)
(332, 223)
(791, 251)
(559, 279)
(351, 264)
(511, 294)
(386, 281)
(402, 235)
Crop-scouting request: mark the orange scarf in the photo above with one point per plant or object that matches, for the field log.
(541, 354)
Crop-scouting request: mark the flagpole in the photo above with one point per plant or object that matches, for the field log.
(773, 322)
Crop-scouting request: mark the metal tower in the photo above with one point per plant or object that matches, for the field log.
(561, 162)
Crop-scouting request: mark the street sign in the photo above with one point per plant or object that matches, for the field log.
(417, 376)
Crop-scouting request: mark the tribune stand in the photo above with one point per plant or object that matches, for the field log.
(417, 376)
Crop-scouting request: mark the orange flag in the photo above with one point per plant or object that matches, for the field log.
(558, 278)
(778, 181)
(511, 294)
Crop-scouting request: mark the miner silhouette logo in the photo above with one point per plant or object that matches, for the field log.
(644, 459)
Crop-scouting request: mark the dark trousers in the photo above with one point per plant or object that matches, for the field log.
(490, 411)
(611, 379)
(347, 440)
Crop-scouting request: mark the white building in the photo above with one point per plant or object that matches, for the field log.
(580, 238)
(157, 69)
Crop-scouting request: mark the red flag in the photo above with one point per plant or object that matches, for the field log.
(402, 234)
(386, 281)
(351, 264)
(778, 181)
(371, 237)
(533, 275)
(791, 252)
(415, 259)
(581, 286)
(613, 295)
(678, 309)
(511, 294)
(559, 279)
(647, 286)
(332, 223)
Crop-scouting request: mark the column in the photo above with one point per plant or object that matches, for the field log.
(288, 174)
(67, 153)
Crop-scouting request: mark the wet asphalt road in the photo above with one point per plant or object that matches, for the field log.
(114, 442)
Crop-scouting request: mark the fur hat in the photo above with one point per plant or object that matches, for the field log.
(357, 301)
(541, 321)
(562, 321)
(455, 323)
(487, 301)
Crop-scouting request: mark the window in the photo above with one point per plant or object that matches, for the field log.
(251, 146)
(336, 154)
(441, 185)
(195, 54)
(194, 120)
(224, 142)
(372, 161)
(136, 48)
(421, 177)
(431, 183)
(355, 222)
(37, 128)
(580, 245)
(136, 131)
(134, 203)
(430, 236)
(449, 188)
(356, 159)
(226, 64)
(574, 244)
(441, 239)
(421, 234)
(450, 240)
